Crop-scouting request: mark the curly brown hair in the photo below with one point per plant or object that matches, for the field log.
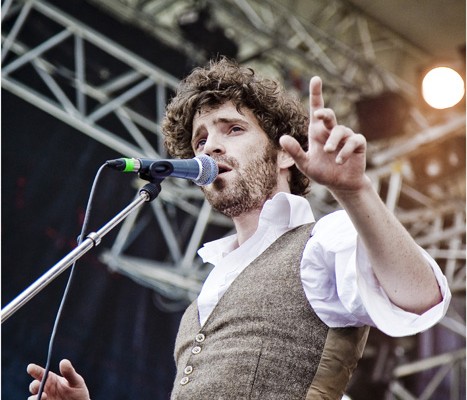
(224, 80)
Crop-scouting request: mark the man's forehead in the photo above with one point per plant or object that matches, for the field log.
(227, 106)
(227, 109)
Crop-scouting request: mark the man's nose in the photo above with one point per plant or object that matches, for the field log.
(213, 145)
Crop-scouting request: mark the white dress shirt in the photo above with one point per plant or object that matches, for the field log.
(336, 274)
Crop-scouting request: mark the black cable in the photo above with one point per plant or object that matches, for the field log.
(68, 285)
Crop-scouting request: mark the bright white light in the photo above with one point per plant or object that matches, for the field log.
(442, 88)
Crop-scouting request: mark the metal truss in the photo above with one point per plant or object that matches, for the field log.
(354, 54)
(452, 363)
(343, 46)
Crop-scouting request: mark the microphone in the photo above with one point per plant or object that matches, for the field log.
(201, 170)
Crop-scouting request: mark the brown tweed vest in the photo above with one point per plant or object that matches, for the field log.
(263, 340)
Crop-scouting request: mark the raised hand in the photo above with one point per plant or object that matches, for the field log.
(336, 155)
(69, 386)
(336, 158)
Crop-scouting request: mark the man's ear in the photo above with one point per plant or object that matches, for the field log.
(284, 160)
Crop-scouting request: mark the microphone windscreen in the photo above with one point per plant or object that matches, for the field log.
(209, 171)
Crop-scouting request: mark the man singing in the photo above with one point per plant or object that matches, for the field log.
(285, 312)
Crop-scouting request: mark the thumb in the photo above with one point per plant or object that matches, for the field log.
(69, 373)
(293, 148)
(35, 371)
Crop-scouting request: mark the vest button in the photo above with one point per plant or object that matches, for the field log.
(188, 370)
(196, 350)
(200, 338)
(184, 380)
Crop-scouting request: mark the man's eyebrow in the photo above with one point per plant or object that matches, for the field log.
(228, 120)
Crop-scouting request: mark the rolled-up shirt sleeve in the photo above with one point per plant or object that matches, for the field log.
(342, 289)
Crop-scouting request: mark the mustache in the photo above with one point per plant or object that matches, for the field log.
(226, 160)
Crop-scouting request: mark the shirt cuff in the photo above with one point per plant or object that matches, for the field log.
(389, 318)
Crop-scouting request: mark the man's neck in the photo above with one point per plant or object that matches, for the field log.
(246, 225)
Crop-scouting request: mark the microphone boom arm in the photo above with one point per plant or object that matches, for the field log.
(148, 193)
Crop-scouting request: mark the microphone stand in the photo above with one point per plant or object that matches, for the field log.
(148, 193)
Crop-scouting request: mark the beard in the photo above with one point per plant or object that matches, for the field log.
(252, 186)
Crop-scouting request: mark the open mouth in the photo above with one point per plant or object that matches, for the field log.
(223, 169)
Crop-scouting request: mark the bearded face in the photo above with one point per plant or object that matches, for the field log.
(247, 159)
(246, 187)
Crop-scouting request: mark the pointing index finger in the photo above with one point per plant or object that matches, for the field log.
(316, 95)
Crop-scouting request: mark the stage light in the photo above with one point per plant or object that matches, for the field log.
(442, 87)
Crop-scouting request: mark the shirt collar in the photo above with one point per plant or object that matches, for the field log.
(282, 213)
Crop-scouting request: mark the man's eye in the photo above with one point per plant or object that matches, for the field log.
(200, 143)
(237, 129)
